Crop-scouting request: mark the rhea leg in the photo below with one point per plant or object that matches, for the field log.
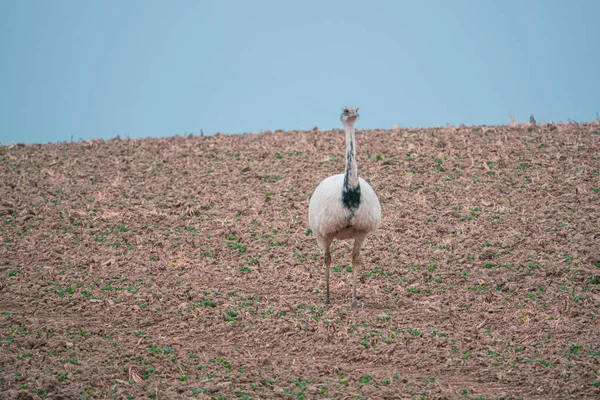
(327, 265)
(359, 238)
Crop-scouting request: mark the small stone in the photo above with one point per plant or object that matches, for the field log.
(277, 389)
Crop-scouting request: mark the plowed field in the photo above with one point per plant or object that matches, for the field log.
(184, 267)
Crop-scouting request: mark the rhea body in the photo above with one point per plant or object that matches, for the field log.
(344, 206)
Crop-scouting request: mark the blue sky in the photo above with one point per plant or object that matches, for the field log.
(139, 68)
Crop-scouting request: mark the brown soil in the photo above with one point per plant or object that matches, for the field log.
(182, 267)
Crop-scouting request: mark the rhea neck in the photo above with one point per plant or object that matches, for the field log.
(351, 188)
(351, 175)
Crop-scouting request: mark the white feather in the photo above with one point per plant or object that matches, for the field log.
(327, 216)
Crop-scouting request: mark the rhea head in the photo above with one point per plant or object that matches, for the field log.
(349, 115)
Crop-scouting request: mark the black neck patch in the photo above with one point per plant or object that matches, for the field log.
(350, 195)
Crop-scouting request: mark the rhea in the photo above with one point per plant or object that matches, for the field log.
(344, 206)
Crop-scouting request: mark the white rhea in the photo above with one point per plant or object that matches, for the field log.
(344, 206)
